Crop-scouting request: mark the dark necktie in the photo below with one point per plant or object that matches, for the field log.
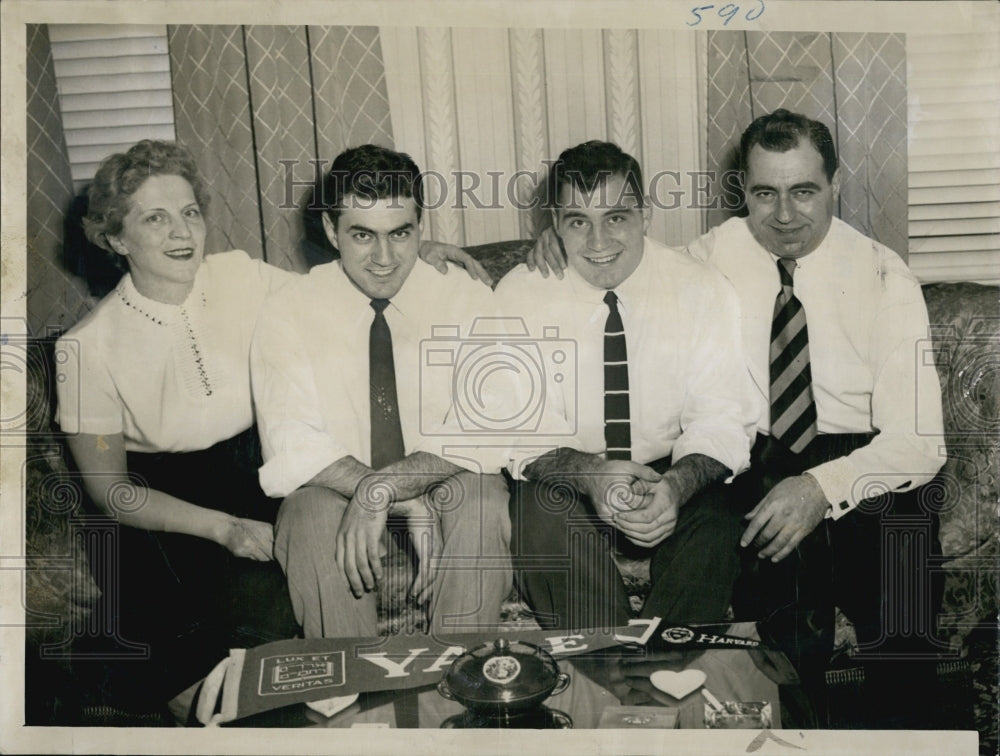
(386, 433)
(793, 408)
(617, 428)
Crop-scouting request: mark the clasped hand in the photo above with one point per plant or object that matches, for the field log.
(635, 499)
(790, 511)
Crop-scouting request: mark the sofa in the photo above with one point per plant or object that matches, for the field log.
(965, 318)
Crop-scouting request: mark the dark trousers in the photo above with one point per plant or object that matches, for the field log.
(564, 569)
(875, 563)
(188, 599)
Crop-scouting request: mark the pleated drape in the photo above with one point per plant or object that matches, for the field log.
(264, 107)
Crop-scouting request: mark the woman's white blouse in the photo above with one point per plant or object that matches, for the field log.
(169, 378)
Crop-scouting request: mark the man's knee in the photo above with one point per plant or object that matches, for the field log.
(308, 513)
(541, 517)
(712, 515)
(477, 505)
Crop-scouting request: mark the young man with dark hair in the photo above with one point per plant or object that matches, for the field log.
(348, 428)
(656, 414)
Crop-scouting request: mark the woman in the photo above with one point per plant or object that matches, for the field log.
(156, 397)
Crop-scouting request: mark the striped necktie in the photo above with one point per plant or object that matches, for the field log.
(617, 428)
(386, 432)
(793, 408)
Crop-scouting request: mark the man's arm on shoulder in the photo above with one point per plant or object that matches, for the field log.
(439, 254)
(547, 254)
(702, 247)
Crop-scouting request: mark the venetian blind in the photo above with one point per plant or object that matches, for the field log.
(954, 156)
(114, 89)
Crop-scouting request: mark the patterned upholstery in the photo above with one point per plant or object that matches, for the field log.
(63, 593)
(965, 320)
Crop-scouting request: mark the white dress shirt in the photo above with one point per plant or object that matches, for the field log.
(869, 349)
(309, 365)
(170, 378)
(688, 390)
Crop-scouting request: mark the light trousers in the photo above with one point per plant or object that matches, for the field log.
(472, 579)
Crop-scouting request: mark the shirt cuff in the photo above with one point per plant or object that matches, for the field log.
(284, 473)
(836, 479)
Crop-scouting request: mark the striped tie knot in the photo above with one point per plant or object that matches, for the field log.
(786, 270)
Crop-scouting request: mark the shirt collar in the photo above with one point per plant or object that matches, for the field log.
(807, 261)
(628, 291)
(412, 295)
(407, 301)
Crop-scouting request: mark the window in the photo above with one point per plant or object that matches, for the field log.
(954, 155)
(114, 89)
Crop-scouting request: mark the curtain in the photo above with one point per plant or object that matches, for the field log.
(471, 104)
(57, 298)
(264, 109)
(259, 104)
(854, 83)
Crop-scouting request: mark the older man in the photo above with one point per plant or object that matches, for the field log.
(348, 428)
(656, 410)
(832, 323)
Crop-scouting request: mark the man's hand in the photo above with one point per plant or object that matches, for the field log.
(655, 520)
(618, 486)
(356, 547)
(439, 255)
(612, 485)
(425, 534)
(251, 539)
(790, 511)
(547, 254)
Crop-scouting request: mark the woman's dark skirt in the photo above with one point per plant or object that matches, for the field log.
(188, 599)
